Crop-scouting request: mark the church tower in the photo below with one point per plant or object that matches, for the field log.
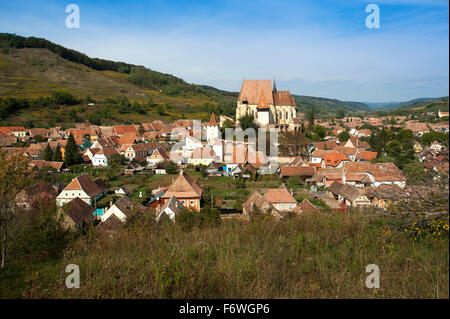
(212, 129)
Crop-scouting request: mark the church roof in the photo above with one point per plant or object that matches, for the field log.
(251, 91)
(262, 104)
(282, 98)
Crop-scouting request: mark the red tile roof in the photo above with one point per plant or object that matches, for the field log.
(85, 183)
(297, 171)
(280, 195)
(184, 187)
(334, 159)
(262, 104)
(251, 91)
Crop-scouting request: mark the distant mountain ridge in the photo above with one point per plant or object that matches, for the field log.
(406, 104)
(325, 106)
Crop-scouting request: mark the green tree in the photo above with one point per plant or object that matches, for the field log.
(320, 131)
(311, 119)
(247, 121)
(48, 153)
(115, 160)
(340, 113)
(57, 155)
(71, 155)
(343, 136)
(141, 129)
(94, 118)
(171, 168)
(40, 139)
(72, 114)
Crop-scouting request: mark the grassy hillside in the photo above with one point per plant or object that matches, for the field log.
(33, 68)
(30, 73)
(325, 106)
(313, 256)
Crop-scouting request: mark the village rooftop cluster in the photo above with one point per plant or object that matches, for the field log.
(337, 174)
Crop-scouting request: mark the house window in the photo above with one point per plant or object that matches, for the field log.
(290, 206)
(192, 203)
(283, 206)
(182, 201)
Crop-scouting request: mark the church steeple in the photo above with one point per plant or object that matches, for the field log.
(274, 85)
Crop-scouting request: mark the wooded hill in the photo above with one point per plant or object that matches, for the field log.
(33, 70)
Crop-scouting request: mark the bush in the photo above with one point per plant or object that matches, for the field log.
(39, 234)
(188, 220)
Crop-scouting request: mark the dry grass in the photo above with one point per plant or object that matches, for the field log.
(322, 256)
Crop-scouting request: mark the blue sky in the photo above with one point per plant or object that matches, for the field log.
(318, 48)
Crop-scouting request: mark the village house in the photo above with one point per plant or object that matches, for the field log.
(122, 191)
(7, 140)
(40, 164)
(436, 147)
(326, 176)
(110, 226)
(350, 152)
(302, 172)
(334, 159)
(122, 209)
(281, 199)
(186, 190)
(325, 145)
(355, 142)
(89, 153)
(17, 131)
(362, 155)
(385, 195)
(120, 130)
(158, 155)
(347, 195)
(418, 148)
(133, 168)
(103, 155)
(169, 210)
(257, 204)
(360, 133)
(103, 142)
(442, 114)
(140, 151)
(377, 173)
(38, 131)
(305, 207)
(418, 128)
(36, 194)
(317, 157)
(77, 215)
(84, 188)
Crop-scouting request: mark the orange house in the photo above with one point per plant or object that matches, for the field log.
(186, 190)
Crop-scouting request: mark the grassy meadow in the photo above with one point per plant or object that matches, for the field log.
(310, 256)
